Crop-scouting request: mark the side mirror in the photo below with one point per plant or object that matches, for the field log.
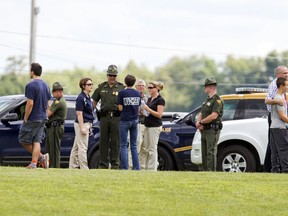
(10, 117)
(189, 120)
(175, 116)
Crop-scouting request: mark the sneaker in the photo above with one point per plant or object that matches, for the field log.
(31, 166)
(44, 162)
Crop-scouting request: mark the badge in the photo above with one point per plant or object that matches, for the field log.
(218, 101)
(116, 93)
(56, 102)
(208, 104)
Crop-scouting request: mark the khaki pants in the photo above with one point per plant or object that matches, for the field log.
(149, 151)
(140, 138)
(78, 156)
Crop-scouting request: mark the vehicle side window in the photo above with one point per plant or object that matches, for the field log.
(230, 107)
(255, 108)
(20, 110)
(71, 111)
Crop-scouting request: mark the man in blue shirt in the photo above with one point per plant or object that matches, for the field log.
(129, 101)
(32, 132)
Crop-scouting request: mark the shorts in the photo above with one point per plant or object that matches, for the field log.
(32, 131)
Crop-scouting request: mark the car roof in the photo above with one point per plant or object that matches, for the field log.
(244, 96)
(13, 97)
(16, 97)
(246, 93)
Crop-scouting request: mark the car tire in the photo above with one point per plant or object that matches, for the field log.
(165, 160)
(236, 158)
(94, 160)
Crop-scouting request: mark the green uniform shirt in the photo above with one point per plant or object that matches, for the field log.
(213, 104)
(108, 95)
(59, 109)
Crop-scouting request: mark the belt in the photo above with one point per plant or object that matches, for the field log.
(55, 123)
(110, 113)
(114, 113)
(216, 126)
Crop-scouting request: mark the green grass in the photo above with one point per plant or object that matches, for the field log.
(110, 192)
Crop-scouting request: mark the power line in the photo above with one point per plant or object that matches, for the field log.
(133, 45)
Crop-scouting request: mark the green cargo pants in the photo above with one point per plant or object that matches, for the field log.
(209, 140)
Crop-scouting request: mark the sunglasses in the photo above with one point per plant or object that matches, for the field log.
(110, 75)
(151, 87)
(89, 84)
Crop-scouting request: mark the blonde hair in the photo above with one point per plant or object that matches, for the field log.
(158, 85)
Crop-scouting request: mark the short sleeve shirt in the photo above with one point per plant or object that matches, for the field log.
(277, 122)
(38, 91)
(130, 99)
(150, 120)
(84, 104)
(213, 104)
(59, 109)
(108, 95)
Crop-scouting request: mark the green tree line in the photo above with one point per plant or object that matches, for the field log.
(183, 77)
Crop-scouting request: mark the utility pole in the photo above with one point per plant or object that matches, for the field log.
(34, 12)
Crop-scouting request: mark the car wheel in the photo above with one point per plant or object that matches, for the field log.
(236, 158)
(94, 160)
(165, 160)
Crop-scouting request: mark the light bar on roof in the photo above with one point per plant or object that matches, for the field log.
(251, 90)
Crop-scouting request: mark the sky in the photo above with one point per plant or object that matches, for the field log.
(97, 33)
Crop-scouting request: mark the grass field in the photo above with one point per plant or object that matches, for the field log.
(110, 192)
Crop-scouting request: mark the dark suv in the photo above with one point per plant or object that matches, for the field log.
(12, 153)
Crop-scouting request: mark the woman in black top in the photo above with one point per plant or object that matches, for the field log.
(153, 127)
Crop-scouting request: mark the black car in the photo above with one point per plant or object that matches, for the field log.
(12, 153)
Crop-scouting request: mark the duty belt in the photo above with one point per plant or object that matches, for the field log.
(55, 123)
(216, 126)
(114, 113)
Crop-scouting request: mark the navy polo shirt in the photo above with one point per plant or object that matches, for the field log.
(84, 104)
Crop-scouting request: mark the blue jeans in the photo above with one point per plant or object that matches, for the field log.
(132, 127)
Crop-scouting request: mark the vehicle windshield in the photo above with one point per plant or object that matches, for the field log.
(5, 103)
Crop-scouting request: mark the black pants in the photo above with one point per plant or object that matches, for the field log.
(267, 161)
(279, 150)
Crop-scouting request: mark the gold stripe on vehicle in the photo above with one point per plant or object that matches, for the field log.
(186, 148)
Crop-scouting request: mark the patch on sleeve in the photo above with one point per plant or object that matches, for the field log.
(219, 102)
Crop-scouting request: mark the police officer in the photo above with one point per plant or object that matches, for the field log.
(107, 92)
(210, 124)
(55, 126)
